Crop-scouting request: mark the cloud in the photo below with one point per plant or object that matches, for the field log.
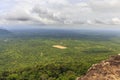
(112, 21)
(47, 12)
(49, 15)
(105, 5)
(116, 20)
(60, 12)
(98, 21)
(105, 11)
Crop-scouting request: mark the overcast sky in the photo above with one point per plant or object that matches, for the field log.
(60, 12)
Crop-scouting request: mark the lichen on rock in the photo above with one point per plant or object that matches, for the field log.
(105, 70)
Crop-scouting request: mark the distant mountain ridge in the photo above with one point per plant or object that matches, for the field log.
(62, 33)
(5, 32)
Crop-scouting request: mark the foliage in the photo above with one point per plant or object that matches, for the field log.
(36, 59)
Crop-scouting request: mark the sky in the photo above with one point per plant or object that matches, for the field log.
(37, 12)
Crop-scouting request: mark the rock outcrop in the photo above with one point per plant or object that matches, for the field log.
(106, 70)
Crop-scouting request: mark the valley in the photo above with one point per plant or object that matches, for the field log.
(24, 57)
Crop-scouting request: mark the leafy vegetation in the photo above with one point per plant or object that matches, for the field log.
(34, 57)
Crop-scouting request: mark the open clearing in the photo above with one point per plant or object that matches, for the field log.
(59, 47)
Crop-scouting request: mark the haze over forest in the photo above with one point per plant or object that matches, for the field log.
(59, 39)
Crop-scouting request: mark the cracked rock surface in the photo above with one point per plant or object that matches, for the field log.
(106, 70)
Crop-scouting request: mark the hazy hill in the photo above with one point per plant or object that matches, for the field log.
(62, 33)
(5, 33)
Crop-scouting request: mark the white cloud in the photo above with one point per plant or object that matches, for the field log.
(105, 5)
(47, 11)
(105, 11)
(116, 20)
(60, 12)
